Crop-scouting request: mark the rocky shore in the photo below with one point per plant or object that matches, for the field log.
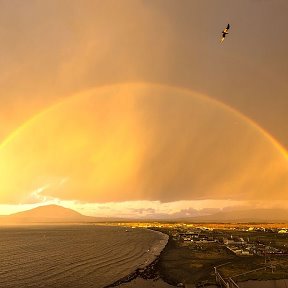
(150, 272)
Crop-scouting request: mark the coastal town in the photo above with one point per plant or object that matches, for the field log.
(203, 254)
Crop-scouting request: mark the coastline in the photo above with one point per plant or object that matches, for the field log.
(148, 270)
(150, 276)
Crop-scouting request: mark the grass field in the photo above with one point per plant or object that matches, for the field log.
(195, 263)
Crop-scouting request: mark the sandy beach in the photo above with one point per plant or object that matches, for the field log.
(139, 282)
(146, 274)
(155, 250)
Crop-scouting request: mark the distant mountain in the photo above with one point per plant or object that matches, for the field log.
(244, 216)
(50, 214)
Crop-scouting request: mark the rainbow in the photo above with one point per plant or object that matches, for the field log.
(119, 87)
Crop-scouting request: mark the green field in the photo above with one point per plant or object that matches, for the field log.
(194, 263)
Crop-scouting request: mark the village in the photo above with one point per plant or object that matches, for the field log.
(237, 245)
(240, 239)
(199, 252)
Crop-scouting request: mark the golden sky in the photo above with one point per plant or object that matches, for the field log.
(64, 138)
(135, 142)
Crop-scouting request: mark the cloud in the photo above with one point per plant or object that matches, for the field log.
(36, 196)
(41, 194)
(141, 211)
(188, 212)
(142, 142)
(75, 46)
(180, 214)
(209, 211)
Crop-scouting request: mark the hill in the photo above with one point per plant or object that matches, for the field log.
(49, 214)
(244, 216)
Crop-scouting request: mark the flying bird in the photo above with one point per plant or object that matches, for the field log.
(225, 32)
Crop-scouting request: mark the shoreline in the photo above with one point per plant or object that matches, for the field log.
(146, 271)
(150, 272)
(150, 276)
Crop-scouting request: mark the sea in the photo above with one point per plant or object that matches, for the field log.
(74, 256)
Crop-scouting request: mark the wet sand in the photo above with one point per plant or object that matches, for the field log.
(148, 271)
(138, 282)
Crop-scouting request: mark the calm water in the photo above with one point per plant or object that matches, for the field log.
(73, 256)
